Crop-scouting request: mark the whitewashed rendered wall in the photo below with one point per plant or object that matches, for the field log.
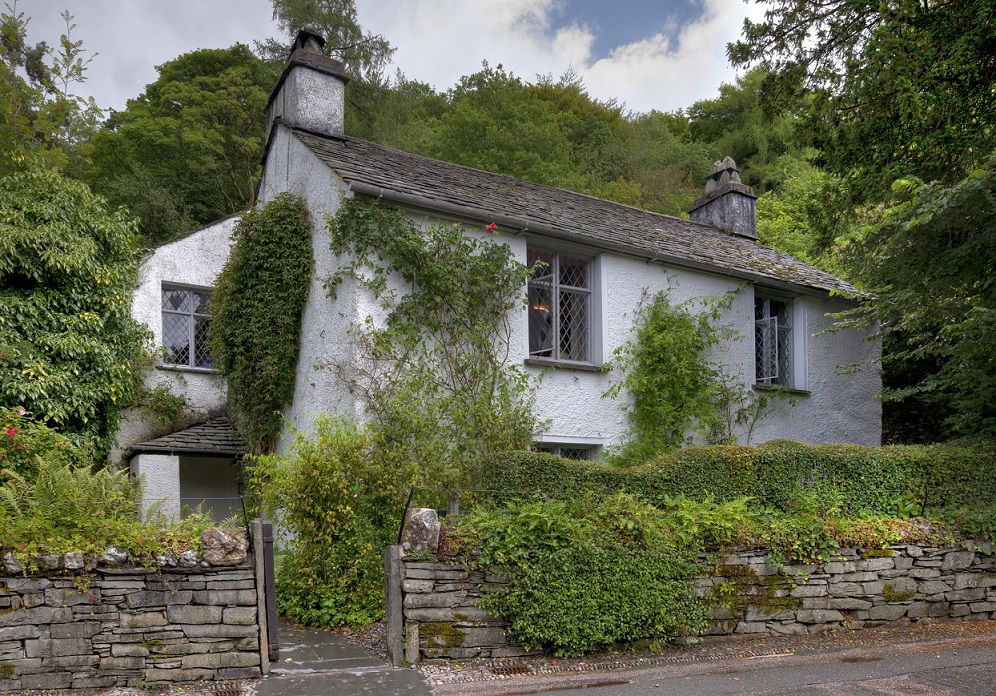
(194, 260)
(325, 342)
(837, 408)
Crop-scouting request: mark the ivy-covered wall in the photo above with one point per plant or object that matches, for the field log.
(747, 594)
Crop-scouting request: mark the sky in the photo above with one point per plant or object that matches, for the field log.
(645, 54)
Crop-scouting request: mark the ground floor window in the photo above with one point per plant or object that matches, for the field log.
(567, 451)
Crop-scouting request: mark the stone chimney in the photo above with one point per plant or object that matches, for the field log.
(311, 90)
(727, 204)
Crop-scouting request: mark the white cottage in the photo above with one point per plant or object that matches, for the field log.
(603, 257)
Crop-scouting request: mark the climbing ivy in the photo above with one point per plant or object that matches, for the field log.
(256, 315)
(434, 375)
(675, 389)
(666, 372)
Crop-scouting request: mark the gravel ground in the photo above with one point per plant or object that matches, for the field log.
(370, 638)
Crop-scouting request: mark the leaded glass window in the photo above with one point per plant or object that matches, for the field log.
(772, 341)
(559, 307)
(578, 452)
(186, 322)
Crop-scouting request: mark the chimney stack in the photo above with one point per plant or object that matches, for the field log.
(728, 203)
(310, 93)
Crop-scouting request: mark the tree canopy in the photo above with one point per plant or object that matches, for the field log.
(901, 88)
(43, 121)
(70, 352)
(187, 151)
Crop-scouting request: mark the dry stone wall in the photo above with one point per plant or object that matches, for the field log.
(753, 595)
(121, 626)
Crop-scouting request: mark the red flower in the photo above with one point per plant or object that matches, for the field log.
(490, 229)
(12, 431)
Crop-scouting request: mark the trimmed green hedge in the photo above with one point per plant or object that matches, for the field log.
(872, 479)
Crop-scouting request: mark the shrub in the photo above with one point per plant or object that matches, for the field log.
(22, 439)
(585, 575)
(62, 503)
(868, 480)
(339, 500)
(70, 352)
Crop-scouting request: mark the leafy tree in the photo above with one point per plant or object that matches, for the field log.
(43, 123)
(805, 214)
(70, 352)
(929, 259)
(902, 87)
(666, 168)
(905, 89)
(497, 123)
(365, 55)
(742, 124)
(187, 151)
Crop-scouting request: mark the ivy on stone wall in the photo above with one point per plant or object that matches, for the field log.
(256, 315)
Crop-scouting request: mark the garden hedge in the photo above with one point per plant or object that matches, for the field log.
(872, 479)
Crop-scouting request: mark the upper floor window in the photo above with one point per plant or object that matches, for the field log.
(185, 326)
(772, 341)
(560, 307)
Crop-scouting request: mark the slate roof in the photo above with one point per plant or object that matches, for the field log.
(556, 212)
(214, 437)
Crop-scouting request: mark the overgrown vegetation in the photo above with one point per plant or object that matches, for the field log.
(256, 315)
(887, 481)
(54, 500)
(70, 351)
(585, 576)
(588, 566)
(668, 375)
(434, 374)
(676, 390)
(434, 381)
(340, 495)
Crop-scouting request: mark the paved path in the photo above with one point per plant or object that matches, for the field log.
(315, 662)
(937, 668)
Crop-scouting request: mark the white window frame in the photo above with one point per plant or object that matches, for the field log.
(192, 317)
(790, 336)
(592, 296)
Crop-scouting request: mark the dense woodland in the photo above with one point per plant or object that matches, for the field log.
(867, 128)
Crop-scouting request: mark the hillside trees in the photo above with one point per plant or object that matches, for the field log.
(187, 151)
(903, 92)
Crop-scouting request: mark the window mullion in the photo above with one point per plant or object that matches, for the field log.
(555, 292)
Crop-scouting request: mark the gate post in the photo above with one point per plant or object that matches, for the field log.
(266, 595)
(394, 612)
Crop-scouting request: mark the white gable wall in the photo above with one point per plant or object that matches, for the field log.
(325, 341)
(193, 260)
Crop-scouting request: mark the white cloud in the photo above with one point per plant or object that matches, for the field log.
(438, 41)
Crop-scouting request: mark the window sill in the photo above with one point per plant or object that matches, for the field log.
(184, 368)
(783, 390)
(561, 365)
